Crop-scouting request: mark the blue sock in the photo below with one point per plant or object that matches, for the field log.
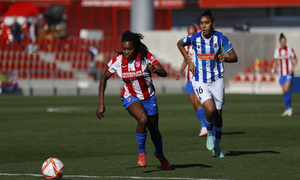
(141, 139)
(158, 146)
(287, 100)
(218, 135)
(209, 127)
(201, 116)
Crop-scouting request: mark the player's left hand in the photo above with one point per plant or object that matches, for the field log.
(151, 68)
(222, 57)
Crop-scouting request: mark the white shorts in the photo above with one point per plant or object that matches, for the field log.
(212, 90)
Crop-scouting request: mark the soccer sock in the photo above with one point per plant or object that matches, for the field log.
(141, 139)
(201, 116)
(209, 127)
(158, 146)
(218, 135)
(287, 100)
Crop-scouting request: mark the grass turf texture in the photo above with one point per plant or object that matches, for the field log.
(257, 142)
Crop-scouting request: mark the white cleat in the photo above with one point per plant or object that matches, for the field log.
(288, 112)
(203, 132)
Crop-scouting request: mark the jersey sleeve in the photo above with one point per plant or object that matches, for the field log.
(226, 44)
(187, 40)
(111, 66)
(152, 59)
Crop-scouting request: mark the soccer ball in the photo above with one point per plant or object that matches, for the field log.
(53, 168)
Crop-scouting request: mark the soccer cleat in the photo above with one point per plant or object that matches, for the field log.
(210, 142)
(164, 162)
(142, 160)
(288, 112)
(217, 152)
(203, 132)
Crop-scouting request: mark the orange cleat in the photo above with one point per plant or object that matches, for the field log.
(164, 162)
(142, 160)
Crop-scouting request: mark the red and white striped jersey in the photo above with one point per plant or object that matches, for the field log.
(284, 57)
(135, 75)
(190, 52)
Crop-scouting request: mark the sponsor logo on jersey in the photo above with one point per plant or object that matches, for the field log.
(206, 56)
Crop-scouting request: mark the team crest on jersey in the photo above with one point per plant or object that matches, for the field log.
(215, 45)
(137, 64)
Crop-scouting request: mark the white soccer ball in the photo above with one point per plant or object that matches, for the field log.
(53, 168)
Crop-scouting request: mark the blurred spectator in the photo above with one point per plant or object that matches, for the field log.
(246, 27)
(32, 31)
(238, 26)
(10, 82)
(16, 32)
(93, 51)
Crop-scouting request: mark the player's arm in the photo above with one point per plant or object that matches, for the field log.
(232, 58)
(185, 55)
(183, 65)
(157, 69)
(102, 86)
(294, 63)
(274, 66)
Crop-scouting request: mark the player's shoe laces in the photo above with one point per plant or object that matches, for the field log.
(288, 112)
(142, 160)
(217, 152)
(203, 132)
(210, 142)
(164, 162)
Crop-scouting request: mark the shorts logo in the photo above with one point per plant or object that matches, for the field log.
(128, 99)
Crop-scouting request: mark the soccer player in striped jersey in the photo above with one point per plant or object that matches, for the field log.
(200, 111)
(207, 68)
(134, 65)
(285, 59)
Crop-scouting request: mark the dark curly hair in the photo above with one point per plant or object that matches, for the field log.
(136, 39)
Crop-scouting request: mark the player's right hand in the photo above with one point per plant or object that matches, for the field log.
(192, 67)
(100, 111)
(178, 76)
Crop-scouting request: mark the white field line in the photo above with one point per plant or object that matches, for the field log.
(109, 177)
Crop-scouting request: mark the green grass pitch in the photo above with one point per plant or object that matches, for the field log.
(257, 142)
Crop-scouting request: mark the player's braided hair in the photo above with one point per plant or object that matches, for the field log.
(208, 13)
(136, 39)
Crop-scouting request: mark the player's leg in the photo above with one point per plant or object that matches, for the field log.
(200, 111)
(136, 109)
(217, 89)
(151, 109)
(285, 82)
(210, 112)
(204, 95)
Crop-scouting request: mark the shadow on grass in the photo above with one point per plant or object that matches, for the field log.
(232, 133)
(176, 167)
(239, 153)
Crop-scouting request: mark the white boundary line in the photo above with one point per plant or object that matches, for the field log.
(110, 177)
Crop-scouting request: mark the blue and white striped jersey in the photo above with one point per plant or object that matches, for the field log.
(208, 66)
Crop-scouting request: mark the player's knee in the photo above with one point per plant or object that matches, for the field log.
(143, 119)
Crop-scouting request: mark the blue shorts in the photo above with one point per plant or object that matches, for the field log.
(150, 104)
(287, 78)
(189, 88)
